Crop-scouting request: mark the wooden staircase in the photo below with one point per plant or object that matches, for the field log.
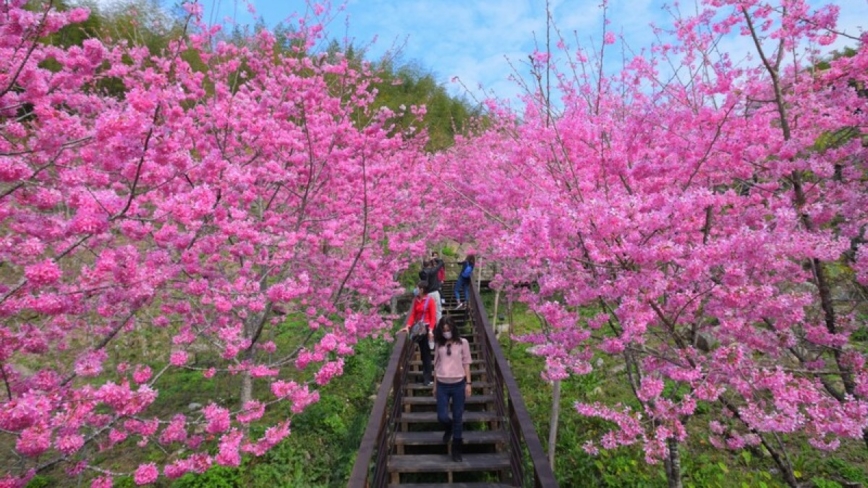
(403, 443)
(419, 457)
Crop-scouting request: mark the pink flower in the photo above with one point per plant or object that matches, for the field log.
(282, 389)
(79, 14)
(178, 358)
(228, 454)
(69, 444)
(142, 374)
(90, 363)
(102, 482)
(328, 371)
(650, 388)
(609, 38)
(45, 273)
(176, 431)
(253, 410)
(33, 441)
(218, 419)
(146, 473)
(262, 371)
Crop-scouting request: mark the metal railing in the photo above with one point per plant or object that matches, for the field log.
(528, 461)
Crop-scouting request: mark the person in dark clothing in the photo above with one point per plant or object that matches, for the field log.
(463, 282)
(430, 273)
(439, 264)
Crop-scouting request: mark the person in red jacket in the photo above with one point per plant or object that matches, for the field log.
(424, 310)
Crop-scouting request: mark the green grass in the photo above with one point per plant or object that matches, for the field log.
(702, 464)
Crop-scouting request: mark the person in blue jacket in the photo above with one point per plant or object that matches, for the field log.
(461, 286)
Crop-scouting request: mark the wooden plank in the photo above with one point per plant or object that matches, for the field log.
(474, 370)
(429, 438)
(473, 362)
(452, 485)
(420, 386)
(442, 463)
(430, 400)
(420, 417)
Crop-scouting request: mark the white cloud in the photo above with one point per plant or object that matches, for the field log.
(477, 39)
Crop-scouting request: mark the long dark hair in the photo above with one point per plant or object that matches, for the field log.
(438, 331)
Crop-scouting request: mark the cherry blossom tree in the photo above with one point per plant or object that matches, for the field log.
(683, 217)
(193, 216)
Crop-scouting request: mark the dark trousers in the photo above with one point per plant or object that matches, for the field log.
(425, 352)
(461, 288)
(455, 391)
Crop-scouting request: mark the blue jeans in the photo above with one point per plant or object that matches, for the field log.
(445, 391)
(461, 288)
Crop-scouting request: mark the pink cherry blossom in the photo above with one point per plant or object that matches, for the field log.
(146, 473)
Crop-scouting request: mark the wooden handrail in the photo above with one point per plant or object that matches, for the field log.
(544, 477)
(378, 421)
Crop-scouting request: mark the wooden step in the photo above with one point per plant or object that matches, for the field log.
(473, 370)
(433, 438)
(452, 485)
(431, 400)
(443, 463)
(431, 417)
(477, 385)
(472, 362)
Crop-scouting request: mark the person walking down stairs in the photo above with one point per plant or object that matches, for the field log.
(451, 382)
(431, 274)
(424, 310)
(463, 282)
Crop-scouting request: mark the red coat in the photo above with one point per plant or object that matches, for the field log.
(425, 309)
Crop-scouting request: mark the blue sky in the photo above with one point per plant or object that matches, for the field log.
(483, 41)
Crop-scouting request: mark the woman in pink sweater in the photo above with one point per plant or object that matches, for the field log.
(451, 381)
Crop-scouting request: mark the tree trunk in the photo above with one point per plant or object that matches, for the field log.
(673, 464)
(494, 319)
(246, 388)
(478, 275)
(553, 422)
(782, 462)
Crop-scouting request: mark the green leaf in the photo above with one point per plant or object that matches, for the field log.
(723, 467)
